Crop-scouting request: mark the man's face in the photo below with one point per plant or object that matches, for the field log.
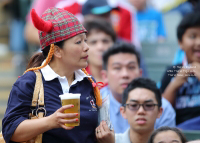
(122, 68)
(98, 41)
(191, 44)
(141, 120)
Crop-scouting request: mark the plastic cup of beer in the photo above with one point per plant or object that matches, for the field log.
(70, 98)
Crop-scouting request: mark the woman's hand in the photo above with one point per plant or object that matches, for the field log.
(104, 134)
(39, 126)
(57, 119)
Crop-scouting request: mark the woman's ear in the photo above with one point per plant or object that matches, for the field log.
(57, 51)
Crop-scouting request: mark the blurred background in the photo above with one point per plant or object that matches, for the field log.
(13, 47)
(158, 50)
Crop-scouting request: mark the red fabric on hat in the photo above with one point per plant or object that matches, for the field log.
(39, 23)
(64, 26)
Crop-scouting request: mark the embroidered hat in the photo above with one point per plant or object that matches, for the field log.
(56, 25)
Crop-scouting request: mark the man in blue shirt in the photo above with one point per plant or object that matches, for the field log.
(121, 66)
(140, 92)
(150, 23)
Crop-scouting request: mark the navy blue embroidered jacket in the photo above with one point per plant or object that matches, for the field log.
(20, 100)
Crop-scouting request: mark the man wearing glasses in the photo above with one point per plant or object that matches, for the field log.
(142, 105)
(121, 66)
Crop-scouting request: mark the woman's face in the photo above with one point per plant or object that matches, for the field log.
(74, 53)
(167, 137)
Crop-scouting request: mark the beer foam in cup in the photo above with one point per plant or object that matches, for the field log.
(69, 96)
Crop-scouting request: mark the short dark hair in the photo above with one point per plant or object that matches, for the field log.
(142, 83)
(165, 128)
(189, 21)
(120, 47)
(101, 25)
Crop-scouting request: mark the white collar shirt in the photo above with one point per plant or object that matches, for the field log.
(49, 74)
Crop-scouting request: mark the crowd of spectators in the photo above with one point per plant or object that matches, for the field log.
(140, 111)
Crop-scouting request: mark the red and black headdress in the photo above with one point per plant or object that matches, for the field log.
(56, 25)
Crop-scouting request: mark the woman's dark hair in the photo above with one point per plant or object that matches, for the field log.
(142, 83)
(120, 47)
(101, 25)
(164, 129)
(189, 21)
(37, 59)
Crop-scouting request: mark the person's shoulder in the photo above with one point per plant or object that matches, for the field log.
(166, 104)
(93, 78)
(105, 91)
(168, 109)
(119, 137)
(123, 137)
(24, 86)
(26, 79)
(105, 88)
(28, 75)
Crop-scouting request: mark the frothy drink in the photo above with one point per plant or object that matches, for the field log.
(70, 98)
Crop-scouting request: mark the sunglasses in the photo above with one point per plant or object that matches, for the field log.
(136, 106)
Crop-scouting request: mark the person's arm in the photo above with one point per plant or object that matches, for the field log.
(16, 125)
(174, 85)
(104, 134)
(171, 90)
(29, 129)
(31, 34)
(196, 69)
